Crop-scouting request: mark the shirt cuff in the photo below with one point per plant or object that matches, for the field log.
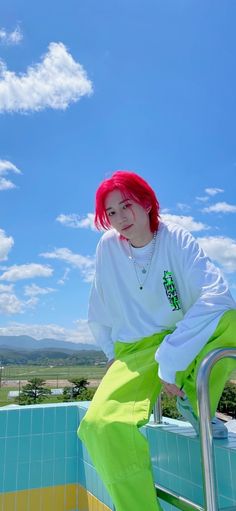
(167, 375)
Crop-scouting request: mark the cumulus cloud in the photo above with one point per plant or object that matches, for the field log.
(5, 167)
(55, 82)
(213, 191)
(76, 221)
(64, 277)
(26, 271)
(6, 244)
(205, 198)
(86, 265)
(222, 250)
(220, 207)
(34, 290)
(80, 333)
(9, 304)
(183, 207)
(11, 38)
(185, 221)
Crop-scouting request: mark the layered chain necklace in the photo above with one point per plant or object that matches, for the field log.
(142, 270)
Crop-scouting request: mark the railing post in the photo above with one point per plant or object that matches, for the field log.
(157, 411)
(208, 460)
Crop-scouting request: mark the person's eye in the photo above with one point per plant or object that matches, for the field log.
(127, 205)
(111, 213)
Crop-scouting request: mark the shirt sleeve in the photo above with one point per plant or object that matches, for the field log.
(210, 299)
(98, 320)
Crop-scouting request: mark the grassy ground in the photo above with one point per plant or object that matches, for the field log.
(25, 372)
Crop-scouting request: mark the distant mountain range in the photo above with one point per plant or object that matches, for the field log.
(25, 343)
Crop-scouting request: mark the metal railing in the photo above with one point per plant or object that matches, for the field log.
(206, 439)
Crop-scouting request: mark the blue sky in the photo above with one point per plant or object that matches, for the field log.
(90, 87)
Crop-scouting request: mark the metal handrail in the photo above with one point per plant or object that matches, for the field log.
(206, 439)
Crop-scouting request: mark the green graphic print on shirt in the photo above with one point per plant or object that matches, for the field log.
(171, 291)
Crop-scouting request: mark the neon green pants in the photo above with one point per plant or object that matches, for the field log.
(123, 403)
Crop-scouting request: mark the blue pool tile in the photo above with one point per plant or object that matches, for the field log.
(11, 448)
(49, 420)
(173, 453)
(25, 421)
(3, 422)
(24, 449)
(12, 423)
(223, 473)
(48, 447)
(35, 474)
(81, 474)
(22, 481)
(2, 451)
(174, 483)
(183, 457)
(72, 418)
(233, 471)
(72, 444)
(195, 462)
(71, 470)
(198, 494)
(9, 480)
(60, 419)
(37, 421)
(59, 471)
(60, 445)
(47, 474)
(36, 448)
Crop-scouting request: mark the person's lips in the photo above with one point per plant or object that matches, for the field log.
(127, 227)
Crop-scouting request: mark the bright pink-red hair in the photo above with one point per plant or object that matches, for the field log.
(131, 186)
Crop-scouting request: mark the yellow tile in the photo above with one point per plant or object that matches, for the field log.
(59, 498)
(35, 499)
(8, 503)
(47, 499)
(71, 497)
(22, 500)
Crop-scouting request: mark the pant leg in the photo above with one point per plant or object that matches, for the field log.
(122, 403)
(223, 337)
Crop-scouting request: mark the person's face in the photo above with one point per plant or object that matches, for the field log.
(128, 217)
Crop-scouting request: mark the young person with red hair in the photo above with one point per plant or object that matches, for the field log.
(157, 306)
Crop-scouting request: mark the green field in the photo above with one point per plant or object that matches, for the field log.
(23, 372)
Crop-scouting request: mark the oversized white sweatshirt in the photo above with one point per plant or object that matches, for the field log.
(184, 292)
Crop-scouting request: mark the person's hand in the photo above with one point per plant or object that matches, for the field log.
(171, 389)
(110, 363)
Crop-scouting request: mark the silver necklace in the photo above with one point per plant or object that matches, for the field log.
(146, 266)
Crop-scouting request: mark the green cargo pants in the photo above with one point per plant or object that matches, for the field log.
(123, 403)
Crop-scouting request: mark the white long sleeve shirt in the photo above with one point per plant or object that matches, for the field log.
(184, 292)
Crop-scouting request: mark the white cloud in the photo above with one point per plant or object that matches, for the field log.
(55, 82)
(185, 221)
(80, 333)
(183, 207)
(5, 167)
(64, 277)
(11, 38)
(86, 265)
(220, 207)
(76, 221)
(6, 244)
(213, 191)
(6, 288)
(9, 304)
(202, 199)
(34, 290)
(26, 271)
(222, 250)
